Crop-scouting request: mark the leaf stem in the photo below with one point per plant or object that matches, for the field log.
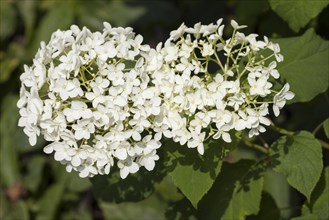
(290, 133)
(281, 130)
(256, 146)
(324, 144)
(317, 128)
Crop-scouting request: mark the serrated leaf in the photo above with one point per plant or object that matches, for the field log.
(319, 199)
(326, 127)
(298, 13)
(305, 66)
(319, 204)
(192, 173)
(235, 194)
(299, 159)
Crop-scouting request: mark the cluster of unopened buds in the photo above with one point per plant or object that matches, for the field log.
(103, 98)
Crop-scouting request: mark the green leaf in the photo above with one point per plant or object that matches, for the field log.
(135, 187)
(9, 169)
(120, 13)
(167, 190)
(326, 127)
(7, 19)
(319, 200)
(150, 208)
(27, 10)
(305, 65)
(83, 212)
(193, 173)
(59, 17)
(299, 159)
(17, 210)
(277, 186)
(181, 209)
(319, 204)
(10, 60)
(77, 184)
(35, 167)
(268, 209)
(298, 13)
(235, 194)
(306, 217)
(50, 200)
(250, 12)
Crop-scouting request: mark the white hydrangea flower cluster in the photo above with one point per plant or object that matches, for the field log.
(90, 95)
(102, 98)
(212, 86)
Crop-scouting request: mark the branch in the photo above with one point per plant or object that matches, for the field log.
(256, 146)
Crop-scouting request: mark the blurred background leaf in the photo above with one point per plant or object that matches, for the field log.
(8, 19)
(9, 159)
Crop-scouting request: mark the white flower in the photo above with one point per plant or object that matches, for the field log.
(235, 25)
(96, 99)
(254, 44)
(207, 50)
(272, 71)
(223, 132)
(280, 99)
(96, 96)
(171, 53)
(101, 116)
(197, 141)
(115, 74)
(68, 88)
(77, 110)
(126, 167)
(106, 51)
(259, 86)
(62, 151)
(100, 83)
(276, 49)
(103, 98)
(148, 161)
(83, 129)
(174, 35)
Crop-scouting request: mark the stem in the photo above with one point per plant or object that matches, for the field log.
(259, 62)
(324, 144)
(290, 133)
(218, 62)
(256, 146)
(281, 130)
(317, 128)
(263, 141)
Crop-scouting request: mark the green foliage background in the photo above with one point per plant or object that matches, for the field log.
(229, 181)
